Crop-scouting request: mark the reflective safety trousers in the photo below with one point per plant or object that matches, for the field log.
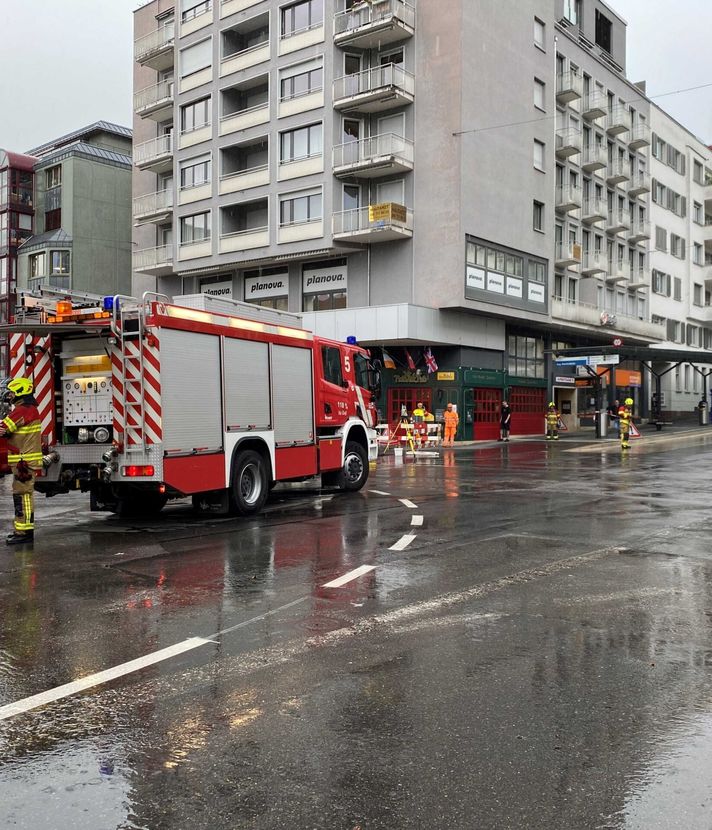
(23, 498)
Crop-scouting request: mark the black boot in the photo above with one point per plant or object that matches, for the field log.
(20, 538)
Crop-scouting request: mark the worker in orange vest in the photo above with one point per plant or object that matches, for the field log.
(452, 419)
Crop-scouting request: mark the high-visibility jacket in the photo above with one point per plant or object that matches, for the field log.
(452, 419)
(23, 430)
(625, 416)
(552, 417)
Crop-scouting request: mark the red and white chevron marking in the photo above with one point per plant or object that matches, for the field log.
(42, 374)
(129, 419)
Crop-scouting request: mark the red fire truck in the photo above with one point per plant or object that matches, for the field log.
(152, 399)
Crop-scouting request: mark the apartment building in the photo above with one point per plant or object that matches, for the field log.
(681, 253)
(476, 182)
(81, 236)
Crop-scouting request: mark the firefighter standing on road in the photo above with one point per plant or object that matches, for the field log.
(552, 423)
(22, 429)
(625, 418)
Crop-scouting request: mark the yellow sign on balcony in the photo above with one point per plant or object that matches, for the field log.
(387, 212)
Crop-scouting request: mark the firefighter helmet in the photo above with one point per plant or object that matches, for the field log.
(551, 403)
(629, 401)
(21, 387)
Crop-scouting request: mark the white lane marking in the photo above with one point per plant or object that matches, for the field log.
(416, 521)
(349, 577)
(403, 542)
(408, 503)
(43, 698)
(379, 492)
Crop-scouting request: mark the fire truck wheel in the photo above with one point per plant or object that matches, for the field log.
(352, 476)
(250, 487)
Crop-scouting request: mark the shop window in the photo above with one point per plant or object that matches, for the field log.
(327, 301)
(408, 398)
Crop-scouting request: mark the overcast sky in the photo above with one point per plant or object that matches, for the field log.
(66, 64)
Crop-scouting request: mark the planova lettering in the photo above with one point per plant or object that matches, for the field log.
(267, 286)
(325, 279)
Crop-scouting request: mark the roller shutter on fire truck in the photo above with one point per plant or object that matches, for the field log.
(247, 398)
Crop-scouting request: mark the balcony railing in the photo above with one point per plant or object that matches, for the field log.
(378, 88)
(594, 262)
(618, 171)
(568, 197)
(157, 96)
(588, 314)
(156, 149)
(568, 253)
(375, 223)
(617, 271)
(369, 25)
(568, 143)
(594, 210)
(595, 105)
(618, 220)
(595, 157)
(148, 47)
(153, 204)
(639, 136)
(569, 86)
(618, 120)
(639, 277)
(640, 230)
(639, 183)
(387, 153)
(150, 260)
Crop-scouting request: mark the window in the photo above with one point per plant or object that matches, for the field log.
(195, 172)
(294, 210)
(525, 356)
(191, 9)
(53, 176)
(539, 34)
(697, 172)
(302, 83)
(677, 246)
(539, 147)
(697, 254)
(539, 216)
(53, 219)
(331, 363)
(299, 17)
(571, 11)
(677, 293)
(195, 116)
(660, 238)
(195, 228)
(539, 94)
(325, 301)
(37, 265)
(661, 283)
(698, 215)
(59, 262)
(196, 57)
(603, 31)
(697, 294)
(302, 143)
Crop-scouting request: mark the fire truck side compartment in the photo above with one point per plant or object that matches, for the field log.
(293, 397)
(192, 409)
(247, 402)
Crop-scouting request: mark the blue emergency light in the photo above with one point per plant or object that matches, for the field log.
(108, 304)
(351, 340)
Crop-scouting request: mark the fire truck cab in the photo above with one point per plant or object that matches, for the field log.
(151, 399)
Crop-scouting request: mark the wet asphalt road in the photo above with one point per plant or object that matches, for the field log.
(538, 656)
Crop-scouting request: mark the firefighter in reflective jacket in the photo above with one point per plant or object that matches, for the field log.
(22, 429)
(625, 418)
(552, 423)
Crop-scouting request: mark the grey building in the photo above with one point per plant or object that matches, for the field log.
(471, 179)
(82, 227)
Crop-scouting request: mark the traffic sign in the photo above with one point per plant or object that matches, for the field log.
(617, 341)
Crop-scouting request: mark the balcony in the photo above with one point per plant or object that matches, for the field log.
(387, 222)
(595, 157)
(639, 184)
(618, 121)
(618, 271)
(586, 314)
(230, 7)
(373, 26)
(568, 143)
(568, 254)
(245, 106)
(594, 262)
(569, 87)
(639, 136)
(155, 261)
(155, 155)
(153, 207)
(378, 155)
(594, 210)
(639, 231)
(155, 101)
(375, 90)
(639, 277)
(244, 226)
(568, 197)
(244, 166)
(618, 171)
(618, 221)
(245, 45)
(595, 105)
(155, 50)
(247, 240)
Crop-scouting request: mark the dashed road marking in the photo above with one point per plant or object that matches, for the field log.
(379, 492)
(408, 504)
(349, 577)
(416, 521)
(403, 542)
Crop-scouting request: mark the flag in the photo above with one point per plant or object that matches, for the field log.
(411, 362)
(430, 360)
(388, 362)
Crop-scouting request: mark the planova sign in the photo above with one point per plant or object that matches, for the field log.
(257, 288)
(217, 289)
(315, 280)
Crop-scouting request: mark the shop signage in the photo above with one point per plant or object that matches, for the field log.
(446, 376)
(257, 288)
(514, 287)
(217, 289)
(536, 292)
(628, 377)
(408, 377)
(495, 282)
(315, 280)
(483, 377)
(387, 211)
(567, 381)
(475, 278)
(588, 360)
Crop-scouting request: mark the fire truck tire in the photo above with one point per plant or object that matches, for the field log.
(250, 485)
(353, 475)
